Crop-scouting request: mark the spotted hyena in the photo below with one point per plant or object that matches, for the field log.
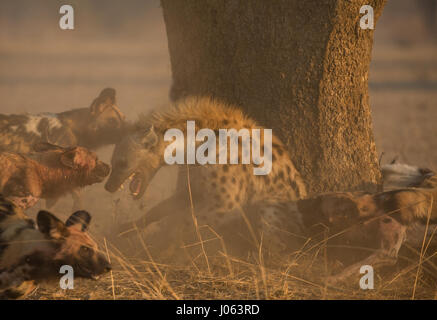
(31, 254)
(220, 192)
(93, 127)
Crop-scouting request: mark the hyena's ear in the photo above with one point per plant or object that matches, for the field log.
(80, 219)
(149, 139)
(99, 104)
(51, 226)
(45, 146)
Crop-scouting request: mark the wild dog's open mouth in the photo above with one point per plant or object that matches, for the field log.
(136, 184)
(87, 273)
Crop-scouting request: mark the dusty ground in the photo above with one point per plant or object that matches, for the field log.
(45, 69)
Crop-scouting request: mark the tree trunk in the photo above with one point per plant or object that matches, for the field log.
(298, 67)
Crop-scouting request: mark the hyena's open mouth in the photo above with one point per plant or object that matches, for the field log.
(136, 184)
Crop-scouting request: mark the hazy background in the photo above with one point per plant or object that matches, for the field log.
(123, 44)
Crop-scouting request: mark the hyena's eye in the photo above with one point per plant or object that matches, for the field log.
(85, 252)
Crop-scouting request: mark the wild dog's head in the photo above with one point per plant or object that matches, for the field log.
(107, 122)
(73, 245)
(338, 209)
(137, 156)
(77, 159)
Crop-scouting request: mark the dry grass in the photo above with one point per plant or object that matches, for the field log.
(298, 276)
(301, 274)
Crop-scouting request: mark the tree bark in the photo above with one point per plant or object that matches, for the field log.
(298, 67)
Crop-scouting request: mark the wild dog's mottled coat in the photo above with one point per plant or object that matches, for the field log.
(100, 124)
(29, 255)
(384, 220)
(49, 173)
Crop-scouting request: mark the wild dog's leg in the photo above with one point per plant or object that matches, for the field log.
(51, 202)
(77, 200)
(392, 234)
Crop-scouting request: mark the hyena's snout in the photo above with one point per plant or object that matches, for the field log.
(115, 181)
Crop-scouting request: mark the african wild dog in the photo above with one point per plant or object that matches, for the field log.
(219, 191)
(49, 173)
(383, 221)
(99, 125)
(30, 255)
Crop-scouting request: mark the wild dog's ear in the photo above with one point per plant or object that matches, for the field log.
(106, 98)
(80, 219)
(45, 146)
(75, 157)
(68, 158)
(51, 226)
(149, 139)
(118, 111)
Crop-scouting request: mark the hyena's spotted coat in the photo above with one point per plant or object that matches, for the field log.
(218, 190)
(30, 255)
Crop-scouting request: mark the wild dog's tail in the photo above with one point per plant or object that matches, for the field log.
(399, 175)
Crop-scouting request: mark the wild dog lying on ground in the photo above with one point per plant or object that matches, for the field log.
(99, 125)
(383, 221)
(49, 173)
(219, 191)
(30, 255)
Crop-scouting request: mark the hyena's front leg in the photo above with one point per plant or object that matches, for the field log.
(392, 234)
(173, 205)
